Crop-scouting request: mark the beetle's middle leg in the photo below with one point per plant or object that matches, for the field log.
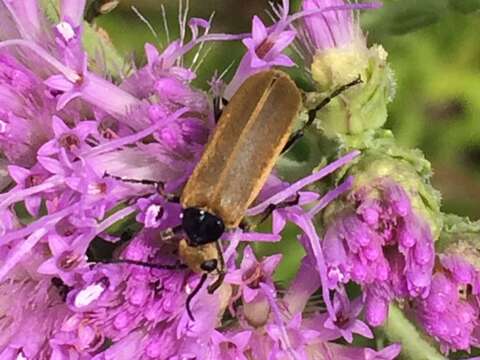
(272, 207)
(312, 114)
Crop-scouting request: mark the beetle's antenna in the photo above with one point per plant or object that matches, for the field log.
(335, 93)
(176, 266)
(312, 114)
(192, 295)
(159, 185)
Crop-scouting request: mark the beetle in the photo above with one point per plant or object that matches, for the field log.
(253, 130)
(251, 133)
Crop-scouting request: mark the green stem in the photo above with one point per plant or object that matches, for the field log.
(415, 345)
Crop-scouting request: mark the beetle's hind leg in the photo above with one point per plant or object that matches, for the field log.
(312, 114)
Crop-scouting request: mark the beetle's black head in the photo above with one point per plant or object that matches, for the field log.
(209, 265)
(201, 227)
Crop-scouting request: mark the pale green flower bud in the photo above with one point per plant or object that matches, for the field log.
(362, 107)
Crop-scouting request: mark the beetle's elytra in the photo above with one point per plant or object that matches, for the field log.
(251, 133)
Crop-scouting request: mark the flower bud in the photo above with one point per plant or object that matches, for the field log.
(336, 51)
(361, 107)
(257, 311)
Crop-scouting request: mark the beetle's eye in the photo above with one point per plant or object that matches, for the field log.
(209, 265)
(201, 227)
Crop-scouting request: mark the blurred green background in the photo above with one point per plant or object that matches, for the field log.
(433, 47)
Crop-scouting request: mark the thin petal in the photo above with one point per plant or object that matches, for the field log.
(151, 52)
(64, 99)
(51, 165)
(49, 148)
(270, 263)
(278, 222)
(18, 174)
(282, 41)
(259, 31)
(57, 245)
(249, 260)
(59, 126)
(48, 267)
(58, 82)
(32, 203)
(359, 327)
(282, 60)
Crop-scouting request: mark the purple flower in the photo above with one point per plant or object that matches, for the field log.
(298, 337)
(66, 258)
(335, 53)
(330, 32)
(382, 245)
(26, 178)
(265, 47)
(68, 142)
(156, 212)
(451, 311)
(116, 301)
(331, 28)
(347, 353)
(265, 50)
(249, 279)
(346, 322)
(252, 273)
(87, 86)
(25, 124)
(232, 345)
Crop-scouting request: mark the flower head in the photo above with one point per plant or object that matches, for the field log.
(381, 244)
(336, 27)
